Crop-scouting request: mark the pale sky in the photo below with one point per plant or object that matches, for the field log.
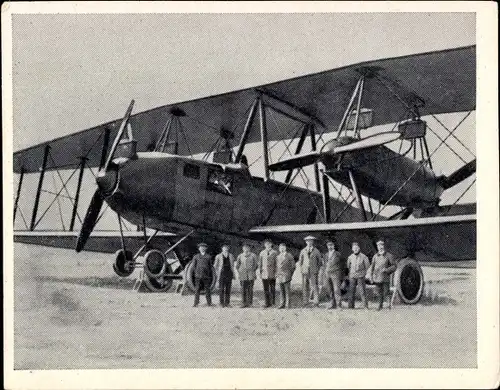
(71, 72)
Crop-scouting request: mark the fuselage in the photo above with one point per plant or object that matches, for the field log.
(176, 194)
(168, 189)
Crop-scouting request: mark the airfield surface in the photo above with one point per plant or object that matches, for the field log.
(72, 312)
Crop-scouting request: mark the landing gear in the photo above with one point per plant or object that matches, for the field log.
(409, 281)
(157, 271)
(124, 263)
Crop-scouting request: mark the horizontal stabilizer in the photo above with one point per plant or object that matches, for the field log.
(459, 175)
(298, 161)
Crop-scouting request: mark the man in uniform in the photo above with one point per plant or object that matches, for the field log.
(224, 266)
(246, 265)
(310, 262)
(382, 266)
(285, 266)
(334, 272)
(267, 266)
(202, 265)
(358, 265)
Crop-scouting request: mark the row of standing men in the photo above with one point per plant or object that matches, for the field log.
(279, 266)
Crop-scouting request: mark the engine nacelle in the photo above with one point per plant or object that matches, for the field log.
(155, 263)
(124, 263)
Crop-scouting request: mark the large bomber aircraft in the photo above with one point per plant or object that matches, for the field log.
(149, 177)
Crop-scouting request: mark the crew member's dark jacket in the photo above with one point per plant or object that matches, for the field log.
(202, 265)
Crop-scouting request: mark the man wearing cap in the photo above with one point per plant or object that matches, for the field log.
(202, 265)
(358, 265)
(334, 270)
(310, 262)
(285, 266)
(246, 265)
(267, 266)
(224, 266)
(382, 266)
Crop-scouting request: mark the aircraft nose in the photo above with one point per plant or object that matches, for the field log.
(108, 181)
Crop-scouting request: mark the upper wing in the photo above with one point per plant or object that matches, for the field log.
(100, 241)
(445, 80)
(446, 238)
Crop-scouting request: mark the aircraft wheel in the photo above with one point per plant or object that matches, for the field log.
(189, 277)
(155, 264)
(409, 281)
(122, 266)
(160, 283)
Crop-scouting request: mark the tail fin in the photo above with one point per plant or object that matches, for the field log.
(459, 175)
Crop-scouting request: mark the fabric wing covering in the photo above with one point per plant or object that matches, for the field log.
(445, 80)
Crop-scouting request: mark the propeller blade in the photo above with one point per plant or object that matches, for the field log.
(298, 161)
(118, 137)
(459, 175)
(90, 220)
(368, 142)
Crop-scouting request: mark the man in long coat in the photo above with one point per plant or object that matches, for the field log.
(310, 262)
(246, 265)
(285, 266)
(224, 268)
(334, 272)
(202, 265)
(267, 266)
(358, 265)
(380, 270)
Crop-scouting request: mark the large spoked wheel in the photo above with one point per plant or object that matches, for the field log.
(159, 283)
(409, 281)
(189, 277)
(124, 263)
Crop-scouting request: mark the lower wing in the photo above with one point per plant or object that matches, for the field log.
(440, 238)
(99, 241)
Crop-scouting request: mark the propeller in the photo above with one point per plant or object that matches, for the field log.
(459, 175)
(103, 180)
(90, 220)
(334, 147)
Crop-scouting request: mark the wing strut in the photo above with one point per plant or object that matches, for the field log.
(18, 193)
(359, 200)
(263, 135)
(83, 161)
(40, 185)
(246, 131)
(313, 149)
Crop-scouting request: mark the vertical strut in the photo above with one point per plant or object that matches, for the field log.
(359, 200)
(246, 131)
(18, 194)
(121, 234)
(263, 136)
(427, 152)
(348, 109)
(105, 144)
(313, 149)
(302, 138)
(40, 184)
(326, 197)
(358, 107)
(77, 195)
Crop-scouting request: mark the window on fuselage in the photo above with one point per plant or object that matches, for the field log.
(219, 181)
(192, 171)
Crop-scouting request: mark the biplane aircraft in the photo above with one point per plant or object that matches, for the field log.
(150, 176)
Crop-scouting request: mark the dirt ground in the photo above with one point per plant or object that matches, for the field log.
(72, 312)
